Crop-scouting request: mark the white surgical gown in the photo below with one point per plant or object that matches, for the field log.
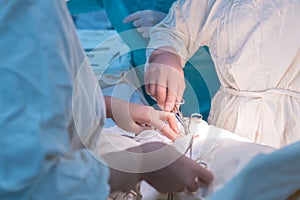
(255, 48)
(40, 57)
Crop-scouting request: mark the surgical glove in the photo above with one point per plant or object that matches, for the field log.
(172, 171)
(174, 177)
(164, 79)
(144, 20)
(136, 118)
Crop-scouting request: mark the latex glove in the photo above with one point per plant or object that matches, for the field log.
(136, 118)
(144, 20)
(180, 174)
(164, 79)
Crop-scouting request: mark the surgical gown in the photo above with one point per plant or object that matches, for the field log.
(255, 48)
(43, 106)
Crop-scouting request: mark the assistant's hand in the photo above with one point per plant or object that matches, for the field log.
(180, 174)
(136, 118)
(164, 79)
(144, 20)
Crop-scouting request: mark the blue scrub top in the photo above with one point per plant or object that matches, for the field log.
(37, 96)
(116, 11)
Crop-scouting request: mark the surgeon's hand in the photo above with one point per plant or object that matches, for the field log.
(136, 118)
(164, 79)
(144, 20)
(183, 173)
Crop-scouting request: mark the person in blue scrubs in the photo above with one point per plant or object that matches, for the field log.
(47, 97)
(200, 75)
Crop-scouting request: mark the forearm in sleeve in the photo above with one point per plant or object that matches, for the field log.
(181, 29)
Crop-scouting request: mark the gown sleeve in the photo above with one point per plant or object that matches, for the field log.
(182, 29)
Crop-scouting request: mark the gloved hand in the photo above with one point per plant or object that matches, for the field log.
(164, 79)
(136, 118)
(165, 177)
(144, 20)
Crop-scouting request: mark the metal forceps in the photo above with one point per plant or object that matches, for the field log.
(133, 194)
(179, 117)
